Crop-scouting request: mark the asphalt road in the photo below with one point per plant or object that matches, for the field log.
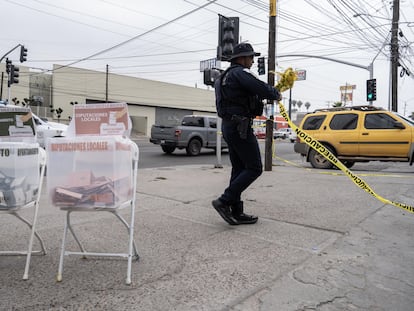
(152, 156)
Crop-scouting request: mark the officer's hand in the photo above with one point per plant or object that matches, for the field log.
(280, 97)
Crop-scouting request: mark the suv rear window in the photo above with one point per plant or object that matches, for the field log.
(379, 121)
(313, 122)
(347, 121)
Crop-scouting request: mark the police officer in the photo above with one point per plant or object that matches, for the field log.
(239, 95)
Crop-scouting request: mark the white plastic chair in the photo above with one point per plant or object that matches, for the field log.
(41, 163)
(132, 252)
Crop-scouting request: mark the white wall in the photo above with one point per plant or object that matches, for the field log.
(143, 96)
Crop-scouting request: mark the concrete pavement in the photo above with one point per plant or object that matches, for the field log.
(320, 243)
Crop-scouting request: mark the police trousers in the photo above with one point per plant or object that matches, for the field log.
(245, 159)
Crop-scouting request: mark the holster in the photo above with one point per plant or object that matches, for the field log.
(243, 124)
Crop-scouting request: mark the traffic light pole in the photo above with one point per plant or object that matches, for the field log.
(270, 81)
(19, 45)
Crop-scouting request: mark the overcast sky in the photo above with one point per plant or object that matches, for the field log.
(165, 40)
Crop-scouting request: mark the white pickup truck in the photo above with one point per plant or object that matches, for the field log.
(194, 133)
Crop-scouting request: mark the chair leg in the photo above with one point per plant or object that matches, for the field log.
(29, 250)
(62, 252)
(132, 250)
(135, 253)
(42, 245)
(83, 250)
(33, 234)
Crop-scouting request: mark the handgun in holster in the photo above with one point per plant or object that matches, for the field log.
(243, 124)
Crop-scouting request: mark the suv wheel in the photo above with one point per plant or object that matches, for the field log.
(318, 161)
(194, 147)
(348, 164)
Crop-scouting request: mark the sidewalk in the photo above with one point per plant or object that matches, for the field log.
(320, 244)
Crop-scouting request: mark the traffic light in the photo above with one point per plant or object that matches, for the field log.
(8, 65)
(211, 75)
(261, 69)
(14, 75)
(371, 89)
(23, 54)
(228, 36)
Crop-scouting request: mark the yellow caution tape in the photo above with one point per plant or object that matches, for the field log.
(341, 174)
(321, 149)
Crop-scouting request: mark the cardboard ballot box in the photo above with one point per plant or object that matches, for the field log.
(89, 171)
(19, 173)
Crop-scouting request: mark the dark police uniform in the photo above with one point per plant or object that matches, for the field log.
(239, 95)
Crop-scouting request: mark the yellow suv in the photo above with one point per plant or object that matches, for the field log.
(358, 134)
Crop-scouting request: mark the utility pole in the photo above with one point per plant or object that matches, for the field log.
(106, 83)
(270, 81)
(394, 55)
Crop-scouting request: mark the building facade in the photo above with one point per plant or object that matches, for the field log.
(148, 101)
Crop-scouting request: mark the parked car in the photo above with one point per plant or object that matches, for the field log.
(292, 136)
(358, 134)
(260, 132)
(283, 133)
(44, 128)
(194, 133)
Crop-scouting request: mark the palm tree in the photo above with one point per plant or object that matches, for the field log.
(299, 103)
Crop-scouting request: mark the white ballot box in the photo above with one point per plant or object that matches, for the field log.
(19, 173)
(94, 169)
(22, 167)
(89, 172)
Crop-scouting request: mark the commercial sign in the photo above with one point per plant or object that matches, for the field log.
(300, 75)
(347, 87)
(208, 64)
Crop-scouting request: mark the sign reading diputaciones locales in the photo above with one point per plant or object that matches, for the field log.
(102, 119)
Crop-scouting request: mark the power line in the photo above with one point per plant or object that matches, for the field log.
(138, 36)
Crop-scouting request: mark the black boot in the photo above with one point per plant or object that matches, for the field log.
(224, 211)
(242, 218)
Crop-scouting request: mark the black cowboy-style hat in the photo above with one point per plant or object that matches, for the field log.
(243, 49)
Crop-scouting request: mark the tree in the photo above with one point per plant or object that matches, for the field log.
(337, 104)
(57, 112)
(307, 105)
(15, 101)
(299, 103)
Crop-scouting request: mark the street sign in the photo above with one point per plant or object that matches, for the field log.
(208, 64)
(347, 87)
(300, 75)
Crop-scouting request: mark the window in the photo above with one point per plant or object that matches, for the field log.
(313, 122)
(193, 121)
(212, 122)
(379, 121)
(346, 121)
